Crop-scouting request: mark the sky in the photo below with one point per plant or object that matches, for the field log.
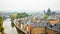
(17, 5)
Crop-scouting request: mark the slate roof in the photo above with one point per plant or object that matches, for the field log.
(55, 28)
(39, 25)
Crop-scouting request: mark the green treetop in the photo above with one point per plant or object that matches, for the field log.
(22, 15)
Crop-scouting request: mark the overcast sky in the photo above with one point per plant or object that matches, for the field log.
(29, 4)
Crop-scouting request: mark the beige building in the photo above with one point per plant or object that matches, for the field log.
(42, 30)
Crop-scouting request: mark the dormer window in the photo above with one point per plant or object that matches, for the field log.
(51, 26)
(55, 24)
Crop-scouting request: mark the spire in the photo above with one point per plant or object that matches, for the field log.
(49, 11)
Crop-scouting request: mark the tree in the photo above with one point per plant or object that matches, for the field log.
(46, 16)
(1, 28)
(22, 15)
(13, 16)
(1, 21)
(1, 25)
(12, 24)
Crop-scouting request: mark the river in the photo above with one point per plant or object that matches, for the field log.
(8, 28)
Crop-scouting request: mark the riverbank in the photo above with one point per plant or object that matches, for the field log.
(0, 33)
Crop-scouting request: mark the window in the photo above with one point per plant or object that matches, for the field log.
(51, 26)
(55, 24)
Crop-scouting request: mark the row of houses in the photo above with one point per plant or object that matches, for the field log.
(33, 25)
